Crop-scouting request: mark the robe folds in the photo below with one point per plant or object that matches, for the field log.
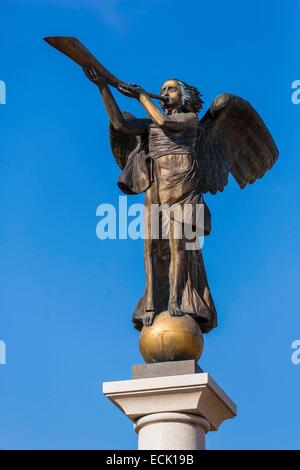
(171, 180)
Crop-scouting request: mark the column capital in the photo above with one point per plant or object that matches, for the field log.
(192, 394)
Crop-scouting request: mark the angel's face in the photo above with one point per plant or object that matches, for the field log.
(171, 90)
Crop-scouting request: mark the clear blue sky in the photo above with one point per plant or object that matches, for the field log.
(66, 298)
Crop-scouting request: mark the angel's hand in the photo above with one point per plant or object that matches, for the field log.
(94, 76)
(131, 90)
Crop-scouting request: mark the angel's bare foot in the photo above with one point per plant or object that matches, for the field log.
(174, 309)
(149, 318)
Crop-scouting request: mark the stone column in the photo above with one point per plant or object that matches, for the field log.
(172, 405)
(175, 431)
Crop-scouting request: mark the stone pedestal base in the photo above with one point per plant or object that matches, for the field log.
(171, 412)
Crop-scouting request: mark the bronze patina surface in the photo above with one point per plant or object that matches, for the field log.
(171, 339)
(174, 158)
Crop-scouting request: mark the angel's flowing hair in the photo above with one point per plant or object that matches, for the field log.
(191, 97)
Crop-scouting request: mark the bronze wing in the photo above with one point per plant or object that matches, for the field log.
(232, 138)
(122, 144)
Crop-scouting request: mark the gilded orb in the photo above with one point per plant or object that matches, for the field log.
(171, 339)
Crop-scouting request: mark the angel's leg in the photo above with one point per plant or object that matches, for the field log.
(176, 271)
(148, 259)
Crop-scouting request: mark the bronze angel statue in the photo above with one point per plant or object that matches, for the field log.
(175, 158)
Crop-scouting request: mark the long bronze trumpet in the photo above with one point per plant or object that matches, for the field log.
(73, 48)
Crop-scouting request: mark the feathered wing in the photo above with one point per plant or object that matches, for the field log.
(232, 138)
(122, 144)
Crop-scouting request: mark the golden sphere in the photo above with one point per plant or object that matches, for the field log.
(171, 339)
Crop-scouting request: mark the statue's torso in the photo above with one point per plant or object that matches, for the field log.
(166, 142)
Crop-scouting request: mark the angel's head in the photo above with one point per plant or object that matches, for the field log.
(181, 95)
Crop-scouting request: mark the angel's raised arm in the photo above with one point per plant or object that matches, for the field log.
(128, 125)
(176, 123)
(172, 122)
